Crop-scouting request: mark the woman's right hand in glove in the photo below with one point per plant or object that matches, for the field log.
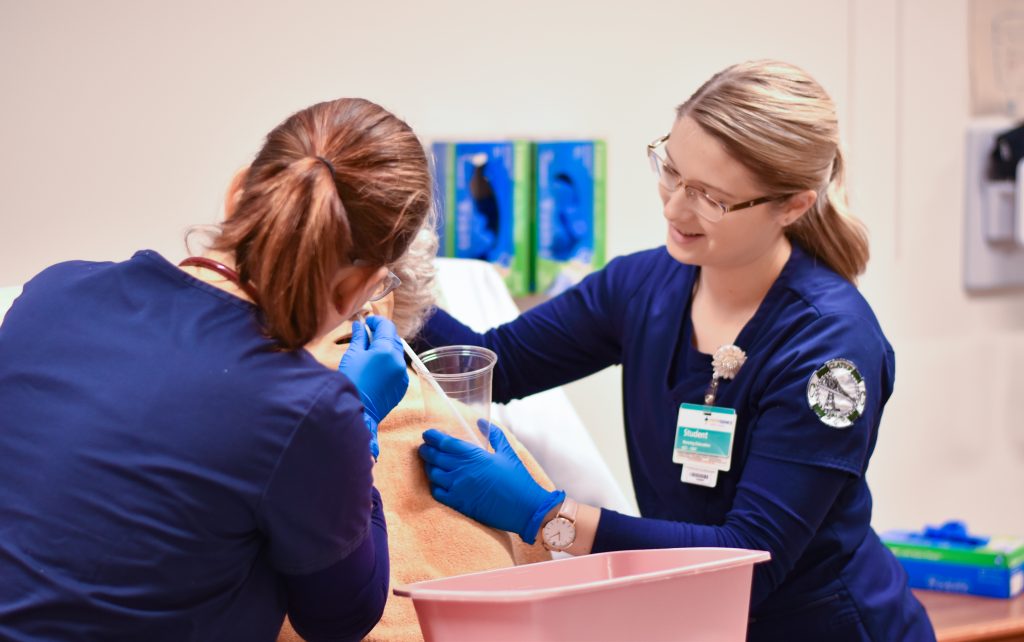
(377, 368)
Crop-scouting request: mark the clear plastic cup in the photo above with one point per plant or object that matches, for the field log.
(464, 373)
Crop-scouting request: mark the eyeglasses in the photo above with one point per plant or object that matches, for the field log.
(387, 284)
(705, 205)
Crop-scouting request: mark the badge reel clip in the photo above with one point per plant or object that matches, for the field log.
(704, 433)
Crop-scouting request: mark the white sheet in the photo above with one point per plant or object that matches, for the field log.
(7, 297)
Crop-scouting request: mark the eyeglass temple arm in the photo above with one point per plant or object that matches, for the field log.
(756, 201)
(652, 145)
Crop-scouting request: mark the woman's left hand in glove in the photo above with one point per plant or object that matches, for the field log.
(495, 488)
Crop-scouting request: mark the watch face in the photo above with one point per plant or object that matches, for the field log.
(559, 533)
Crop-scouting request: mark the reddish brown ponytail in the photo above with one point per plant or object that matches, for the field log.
(297, 222)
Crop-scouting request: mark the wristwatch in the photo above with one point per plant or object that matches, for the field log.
(560, 531)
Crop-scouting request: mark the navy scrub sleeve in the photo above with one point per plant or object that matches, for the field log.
(571, 336)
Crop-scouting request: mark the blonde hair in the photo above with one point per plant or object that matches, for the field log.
(416, 296)
(781, 125)
(337, 182)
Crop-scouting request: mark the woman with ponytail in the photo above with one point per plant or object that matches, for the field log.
(754, 372)
(178, 463)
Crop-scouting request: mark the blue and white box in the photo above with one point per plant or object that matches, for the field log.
(570, 195)
(484, 189)
(947, 558)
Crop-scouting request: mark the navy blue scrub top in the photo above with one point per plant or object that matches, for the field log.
(796, 487)
(162, 464)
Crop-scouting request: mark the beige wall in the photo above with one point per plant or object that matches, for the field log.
(122, 122)
(953, 436)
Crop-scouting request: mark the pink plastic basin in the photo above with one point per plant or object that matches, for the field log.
(664, 594)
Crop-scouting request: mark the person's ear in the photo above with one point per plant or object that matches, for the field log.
(234, 193)
(796, 206)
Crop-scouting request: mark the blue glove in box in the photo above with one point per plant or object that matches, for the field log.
(948, 558)
(570, 198)
(484, 190)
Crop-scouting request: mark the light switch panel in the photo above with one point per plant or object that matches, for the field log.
(993, 225)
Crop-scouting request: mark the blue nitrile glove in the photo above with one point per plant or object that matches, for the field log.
(377, 368)
(493, 488)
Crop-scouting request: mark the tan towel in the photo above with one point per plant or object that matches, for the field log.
(428, 540)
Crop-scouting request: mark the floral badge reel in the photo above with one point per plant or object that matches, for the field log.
(704, 433)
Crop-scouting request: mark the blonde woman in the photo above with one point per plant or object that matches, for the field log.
(754, 373)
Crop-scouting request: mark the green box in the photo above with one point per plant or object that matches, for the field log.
(948, 559)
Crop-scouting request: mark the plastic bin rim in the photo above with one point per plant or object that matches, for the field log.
(744, 557)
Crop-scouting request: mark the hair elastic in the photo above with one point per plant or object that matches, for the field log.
(327, 164)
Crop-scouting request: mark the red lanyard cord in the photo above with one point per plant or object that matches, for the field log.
(224, 271)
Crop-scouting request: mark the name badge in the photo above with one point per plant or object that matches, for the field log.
(703, 444)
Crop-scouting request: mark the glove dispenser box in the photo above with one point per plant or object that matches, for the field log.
(484, 193)
(949, 558)
(570, 212)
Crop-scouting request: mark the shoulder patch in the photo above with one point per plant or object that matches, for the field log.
(836, 393)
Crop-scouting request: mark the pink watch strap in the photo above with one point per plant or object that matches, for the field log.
(569, 509)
